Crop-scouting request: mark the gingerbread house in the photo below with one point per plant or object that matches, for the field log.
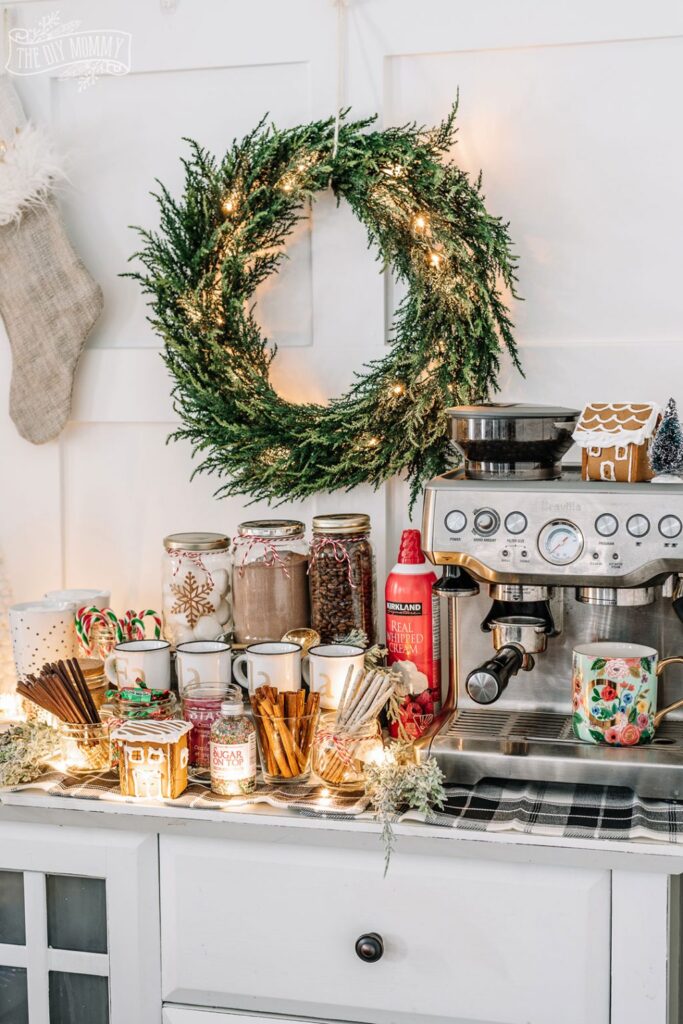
(153, 757)
(615, 439)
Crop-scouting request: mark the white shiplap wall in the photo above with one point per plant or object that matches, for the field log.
(572, 111)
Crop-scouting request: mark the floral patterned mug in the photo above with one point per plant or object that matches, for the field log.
(615, 693)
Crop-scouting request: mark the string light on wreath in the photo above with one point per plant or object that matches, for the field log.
(447, 333)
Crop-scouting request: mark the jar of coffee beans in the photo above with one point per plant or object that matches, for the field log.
(342, 577)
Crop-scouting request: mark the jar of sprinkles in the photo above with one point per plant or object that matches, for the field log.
(342, 577)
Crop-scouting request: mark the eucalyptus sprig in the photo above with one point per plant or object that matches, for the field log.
(399, 782)
(425, 220)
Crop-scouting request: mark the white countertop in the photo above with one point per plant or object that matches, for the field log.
(275, 825)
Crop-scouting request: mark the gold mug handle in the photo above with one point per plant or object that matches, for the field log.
(677, 703)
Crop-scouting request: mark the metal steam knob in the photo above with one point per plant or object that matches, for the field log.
(486, 683)
(370, 947)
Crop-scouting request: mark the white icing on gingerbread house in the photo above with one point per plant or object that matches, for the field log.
(615, 438)
(153, 757)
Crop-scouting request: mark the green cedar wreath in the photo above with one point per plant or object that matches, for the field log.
(427, 223)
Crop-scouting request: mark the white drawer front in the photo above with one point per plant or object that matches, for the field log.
(272, 928)
(189, 1015)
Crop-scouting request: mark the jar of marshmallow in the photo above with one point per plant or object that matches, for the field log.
(196, 600)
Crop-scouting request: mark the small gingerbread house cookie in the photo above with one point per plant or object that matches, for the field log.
(615, 439)
(153, 757)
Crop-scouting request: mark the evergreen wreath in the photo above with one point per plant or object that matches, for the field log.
(426, 221)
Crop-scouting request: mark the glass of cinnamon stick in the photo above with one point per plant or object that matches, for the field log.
(286, 724)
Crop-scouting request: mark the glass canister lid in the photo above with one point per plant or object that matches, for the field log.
(511, 410)
(272, 528)
(196, 542)
(342, 522)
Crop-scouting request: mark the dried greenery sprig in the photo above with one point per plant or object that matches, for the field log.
(24, 751)
(425, 219)
(399, 782)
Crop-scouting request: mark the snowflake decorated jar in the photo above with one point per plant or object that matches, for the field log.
(196, 601)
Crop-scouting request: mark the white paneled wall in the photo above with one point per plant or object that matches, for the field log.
(572, 111)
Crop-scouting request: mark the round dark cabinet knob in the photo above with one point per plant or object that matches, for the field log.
(370, 947)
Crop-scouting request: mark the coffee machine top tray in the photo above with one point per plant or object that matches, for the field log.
(568, 531)
(539, 747)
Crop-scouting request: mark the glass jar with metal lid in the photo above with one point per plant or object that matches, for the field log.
(196, 602)
(342, 577)
(270, 579)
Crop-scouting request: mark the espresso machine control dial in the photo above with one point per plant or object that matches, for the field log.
(486, 521)
(560, 542)
(638, 526)
(670, 526)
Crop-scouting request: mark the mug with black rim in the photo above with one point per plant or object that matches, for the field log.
(270, 663)
(145, 663)
(203, 661)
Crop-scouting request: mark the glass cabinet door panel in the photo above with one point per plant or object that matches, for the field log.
(76, 913)
(78, 998)
(12, 925)
(13, 995)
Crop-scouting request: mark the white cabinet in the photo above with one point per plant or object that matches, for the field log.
(272, 928)
(79, 926)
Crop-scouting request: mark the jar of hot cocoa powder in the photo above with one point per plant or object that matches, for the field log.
(270, 580)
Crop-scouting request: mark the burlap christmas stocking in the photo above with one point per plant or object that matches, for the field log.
(48, 300)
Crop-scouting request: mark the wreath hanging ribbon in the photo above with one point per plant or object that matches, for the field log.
(426, 221)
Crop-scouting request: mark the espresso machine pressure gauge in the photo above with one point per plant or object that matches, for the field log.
(560, 542)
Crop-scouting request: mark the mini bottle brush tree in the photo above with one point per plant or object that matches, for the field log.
(666, 452)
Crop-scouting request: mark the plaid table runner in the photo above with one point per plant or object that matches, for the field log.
(533, 808)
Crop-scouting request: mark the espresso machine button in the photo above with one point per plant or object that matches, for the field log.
(516, 522)
(670, 526)
(455, 521)
(607, 524)
(638, 526)
(486, 522)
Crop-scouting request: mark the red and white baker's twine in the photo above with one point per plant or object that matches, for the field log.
(339, 550)
(177, 557)
(270, 548)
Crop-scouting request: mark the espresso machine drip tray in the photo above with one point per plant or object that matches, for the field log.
(540, 746)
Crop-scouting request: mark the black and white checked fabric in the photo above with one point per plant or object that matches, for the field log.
(552, 809)
(532, 808)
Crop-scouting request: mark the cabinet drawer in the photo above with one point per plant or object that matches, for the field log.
(190, 1015)
(272, 927)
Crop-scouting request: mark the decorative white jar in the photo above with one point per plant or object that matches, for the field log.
(196, 602)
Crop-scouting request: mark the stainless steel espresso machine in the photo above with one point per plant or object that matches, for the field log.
(537, 561)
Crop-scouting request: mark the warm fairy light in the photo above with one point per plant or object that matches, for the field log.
(378, 754)
(420, 222)
(435, 259)
(373, 442)
(229, 205)
(12, 708)
(287, 183)
(398, 389)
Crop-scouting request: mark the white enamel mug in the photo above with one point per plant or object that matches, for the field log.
(202, 661)
(42, 631)
(140, 663)
(81, 598)
(270, 664)
(326, 667)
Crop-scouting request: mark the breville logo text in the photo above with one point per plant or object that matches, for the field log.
(554, 507)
